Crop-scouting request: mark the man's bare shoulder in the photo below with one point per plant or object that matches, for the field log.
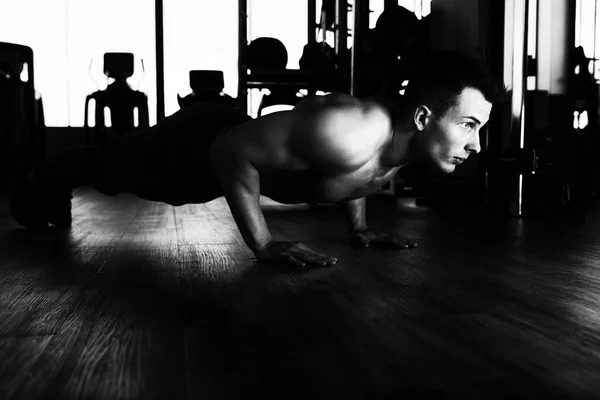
(341, 129)
(342, 110)
(312, 103)
(341, 103)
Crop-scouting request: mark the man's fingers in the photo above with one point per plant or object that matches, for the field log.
(394, 241)
(327, 261)
(409, 244)
(316, 259)
(381, 239)
(363, 241)
(294, 261)
(321, 260)
(293, 253)
(403, 243)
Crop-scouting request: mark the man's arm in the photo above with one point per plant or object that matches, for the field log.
(241, 186)
(356, 214)
(326, 136)
(240, 181)
(362, 236)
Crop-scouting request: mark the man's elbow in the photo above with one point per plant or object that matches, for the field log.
(222, 156)
(230, 165)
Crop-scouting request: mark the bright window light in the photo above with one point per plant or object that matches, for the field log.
(277, 108)
(136, 117)
(107, 117)
(587, 31)
(66, 34)
(91, 113)
(25, 73)
(199, 35)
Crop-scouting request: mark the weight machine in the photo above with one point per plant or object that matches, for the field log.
(338, 78)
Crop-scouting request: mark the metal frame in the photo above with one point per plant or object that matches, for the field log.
(160, 61)
(341, 33)
(242, 97)
(355, 33)
(340, 47)
(519, 78)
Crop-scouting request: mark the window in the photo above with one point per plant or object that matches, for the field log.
(199, 35)
(587, 31)
(70, 37)
(66, 35)
(21, 22)
(421, 8)
(289, 26)
(532, 33)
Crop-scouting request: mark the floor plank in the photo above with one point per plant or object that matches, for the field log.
(143, 300)
(18, 355)
(211, 280)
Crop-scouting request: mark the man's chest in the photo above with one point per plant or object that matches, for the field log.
(360, 183)
(305, 187)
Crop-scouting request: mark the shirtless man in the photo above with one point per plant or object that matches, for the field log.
(328, 149)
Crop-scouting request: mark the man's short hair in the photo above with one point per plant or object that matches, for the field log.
(441, 78)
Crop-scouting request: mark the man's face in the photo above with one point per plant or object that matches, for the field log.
(450, 139)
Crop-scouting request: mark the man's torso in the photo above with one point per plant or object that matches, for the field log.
(308, 187)
(293, 181)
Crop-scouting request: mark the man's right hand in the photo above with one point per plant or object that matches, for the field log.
(294, 253)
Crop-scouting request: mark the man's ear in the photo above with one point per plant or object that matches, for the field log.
(422, 117)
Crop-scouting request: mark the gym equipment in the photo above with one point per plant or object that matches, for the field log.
(207, 87)
(22, 127)
(268, 55)
(262, 63)
(119, 98)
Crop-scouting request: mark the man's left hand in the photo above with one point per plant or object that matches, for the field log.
(367, 237)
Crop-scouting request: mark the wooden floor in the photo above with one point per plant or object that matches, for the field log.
(142, 300)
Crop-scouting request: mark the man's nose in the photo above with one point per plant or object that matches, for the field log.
(474, 146)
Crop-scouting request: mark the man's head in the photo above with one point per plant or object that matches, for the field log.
(448, 100)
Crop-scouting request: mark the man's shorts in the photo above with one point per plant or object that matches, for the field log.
(168, 162)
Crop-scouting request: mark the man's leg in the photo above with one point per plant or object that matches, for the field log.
(43, 191)
(167, 162)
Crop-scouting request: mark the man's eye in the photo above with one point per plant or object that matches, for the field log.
(468, 125)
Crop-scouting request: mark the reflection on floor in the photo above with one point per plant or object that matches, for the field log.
(142, 300)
